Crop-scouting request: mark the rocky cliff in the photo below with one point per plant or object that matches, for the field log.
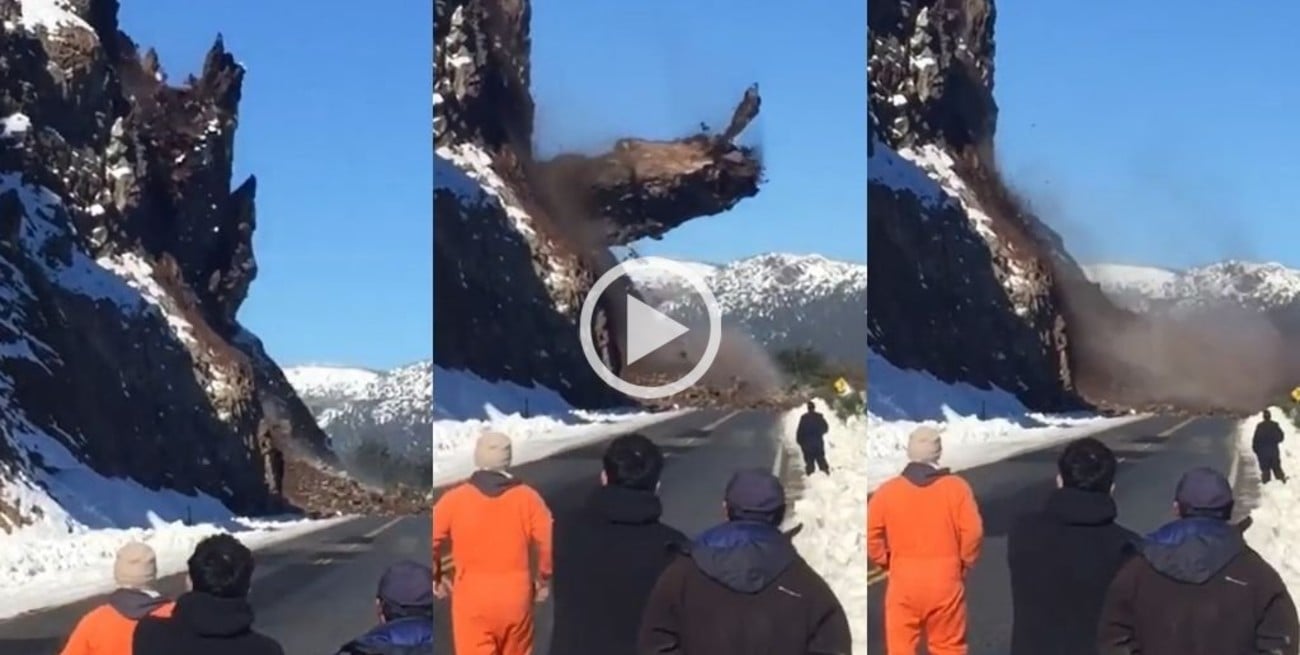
(970, 285)
(125, 255)
(518, 241)
(961, 285)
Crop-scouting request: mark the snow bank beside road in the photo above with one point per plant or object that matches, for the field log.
(979, 426)
(1274, 531)
(81, 518)
(38, 571)
(833, 511)
(538, 419)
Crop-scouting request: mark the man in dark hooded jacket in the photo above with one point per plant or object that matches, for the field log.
(610, 552)
(811, 437)
(214, 617)
(1267, 444)
(741, 589)
(1196, 588)
(1063, 557)
(405, 604)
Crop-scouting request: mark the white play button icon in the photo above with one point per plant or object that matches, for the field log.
(648, 329)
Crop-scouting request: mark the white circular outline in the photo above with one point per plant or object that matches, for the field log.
(644, 392)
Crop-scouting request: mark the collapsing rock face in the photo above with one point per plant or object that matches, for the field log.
(969, 285)
(124, 259)
(518, 242)
(961, 285)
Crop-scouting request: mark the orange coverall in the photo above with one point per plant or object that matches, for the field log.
(492, 593)
(103, 631)
(927, 536)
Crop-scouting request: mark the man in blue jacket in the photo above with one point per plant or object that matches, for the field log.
(405, 603)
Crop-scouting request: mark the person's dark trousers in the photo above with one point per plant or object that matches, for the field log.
(813, 460)
(1270, 467)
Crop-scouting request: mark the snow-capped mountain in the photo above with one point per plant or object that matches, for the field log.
(323, 386)
(784, 301)
(1266, 286)
(355, 405)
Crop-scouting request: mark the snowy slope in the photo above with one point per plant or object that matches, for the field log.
(930, 174)
(466, 171)
(661, 285)
(316, 383)
(355, 405)
(1125, 278)
(978, 425)
(783, 300)
(538, 420)
(1249, 284)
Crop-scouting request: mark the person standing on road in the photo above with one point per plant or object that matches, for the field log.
(1196, 588)
(609, 554)
(1063, 557)
(1267, 444)
(405, 605)
(742, 589)
(214, 617)
(107, 629)
(811, 437)
(925, 530)
(493, 522)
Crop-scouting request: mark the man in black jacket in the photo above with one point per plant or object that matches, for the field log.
(214, 617)
(1196, 588)
(742, 589)
(609, 554)
(1063, 557)
(1267, 444)
(811, 437)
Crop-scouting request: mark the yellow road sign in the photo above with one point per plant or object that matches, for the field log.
(1295, 394)
(842, 387)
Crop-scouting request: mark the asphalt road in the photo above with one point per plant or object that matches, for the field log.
(1153, 454)
(313, 593)
(703, 449)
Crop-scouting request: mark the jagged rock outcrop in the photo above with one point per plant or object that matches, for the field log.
(519, 242)
(645, 188)
(968, 284)
(124, 259)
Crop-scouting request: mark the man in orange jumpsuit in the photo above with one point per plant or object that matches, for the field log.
(493, 522)
(924, 528)
(108, 629)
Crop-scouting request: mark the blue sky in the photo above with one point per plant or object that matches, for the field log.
(335, 123)
(602, 70)
(1163, 134)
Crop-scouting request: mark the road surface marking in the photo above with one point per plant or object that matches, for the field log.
(684, 442)
(876, 575)
(714, 425)
(322, 561)
(1176, 428)
(779, 464)
(376, 532)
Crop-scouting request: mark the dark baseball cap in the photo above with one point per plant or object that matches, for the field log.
(407, 584)
(754, 491)
(1203, 490)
